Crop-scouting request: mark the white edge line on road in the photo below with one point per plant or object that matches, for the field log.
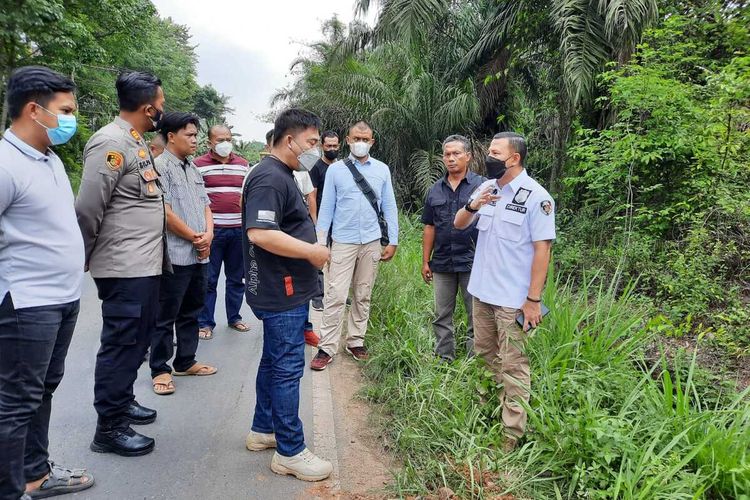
(324, 429)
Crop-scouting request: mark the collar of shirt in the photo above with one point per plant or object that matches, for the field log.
(359, 163)
(131, 131)
(519, 181)
(175, 160)
(25, 148)
(466, 179)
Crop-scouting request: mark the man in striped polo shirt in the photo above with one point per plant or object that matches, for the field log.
(223, 172)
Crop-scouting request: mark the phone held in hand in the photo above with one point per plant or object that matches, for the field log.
(520, 318)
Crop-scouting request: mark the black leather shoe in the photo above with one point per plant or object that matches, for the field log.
(139, 415)
(121, 440)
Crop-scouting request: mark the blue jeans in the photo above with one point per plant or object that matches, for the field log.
(277, 384)
(33, 345)
(226, 248)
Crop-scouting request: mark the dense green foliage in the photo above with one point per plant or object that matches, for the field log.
(92, 42)
(605, 420)
(637, 115)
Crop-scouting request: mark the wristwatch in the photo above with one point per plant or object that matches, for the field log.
(468, 208)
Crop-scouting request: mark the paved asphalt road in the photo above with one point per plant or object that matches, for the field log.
(200, 431)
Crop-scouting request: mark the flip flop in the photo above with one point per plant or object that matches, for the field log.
(165, 379)
(197, 370)
(240, 327)
(62, 481)
(205, 333)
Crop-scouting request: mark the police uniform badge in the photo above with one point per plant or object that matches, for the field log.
(546, 207)
(149, 174)
(521, 196)
(135, 134)
(142, 153)
(114, 160)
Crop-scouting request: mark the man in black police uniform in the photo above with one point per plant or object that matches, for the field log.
(121, 214)
(281, 263)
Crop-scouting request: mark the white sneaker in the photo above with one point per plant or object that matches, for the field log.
(304, 465)
(257, 441)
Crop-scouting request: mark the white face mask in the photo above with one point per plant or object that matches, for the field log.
(308, 158)
(223, 149)
(360, 149)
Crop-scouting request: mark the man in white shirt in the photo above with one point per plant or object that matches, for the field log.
(516, 228)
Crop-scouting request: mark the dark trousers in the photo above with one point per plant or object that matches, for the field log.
(447, 286)
(226, 249)
(129, 308)
(181, 299)
(277, 383)
(33, 344)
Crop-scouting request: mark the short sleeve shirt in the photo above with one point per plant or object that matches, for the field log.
(524, 213)
(318, 177)
(273, 201)
(453, 251)
(185, 193)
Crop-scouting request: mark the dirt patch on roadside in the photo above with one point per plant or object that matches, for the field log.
(364, 464)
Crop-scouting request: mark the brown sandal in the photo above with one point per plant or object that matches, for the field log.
(205, 333)
(240, 327)
(164, 380)
(197, 370)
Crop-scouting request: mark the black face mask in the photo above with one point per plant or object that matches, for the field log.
(495, 168)
(156, 120)
(331, 154)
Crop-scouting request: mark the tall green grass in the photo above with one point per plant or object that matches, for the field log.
(603, 422)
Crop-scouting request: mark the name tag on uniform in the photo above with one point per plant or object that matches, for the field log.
(515, 208)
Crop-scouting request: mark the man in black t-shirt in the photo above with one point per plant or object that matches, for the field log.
(281, 272)
(330, 141)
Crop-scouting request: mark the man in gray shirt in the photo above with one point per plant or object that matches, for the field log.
(190, 231)
(41, 270)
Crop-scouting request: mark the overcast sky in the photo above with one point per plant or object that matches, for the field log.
(245, 48)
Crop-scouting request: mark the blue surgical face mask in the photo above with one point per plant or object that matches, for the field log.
(66, 128)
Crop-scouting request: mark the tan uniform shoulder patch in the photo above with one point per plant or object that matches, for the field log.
(114, 160)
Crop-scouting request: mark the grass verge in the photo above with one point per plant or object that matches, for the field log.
(603, 422)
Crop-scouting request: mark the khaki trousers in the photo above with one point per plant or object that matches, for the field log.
(352, 266)
(500, 342)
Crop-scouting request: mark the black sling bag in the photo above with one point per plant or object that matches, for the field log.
(367, 190)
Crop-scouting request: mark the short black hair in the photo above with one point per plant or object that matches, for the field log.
(136, 88)
(34, 84)
(174, 121)
(516, 141)
(269, 138)
(292, 121)
(360, 124)
(213, 128)
(327, 134)
(466, 143)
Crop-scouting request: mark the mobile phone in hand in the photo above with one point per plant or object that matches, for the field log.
(521, 320)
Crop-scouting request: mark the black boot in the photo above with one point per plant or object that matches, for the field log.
(116, 436)
(139, 415)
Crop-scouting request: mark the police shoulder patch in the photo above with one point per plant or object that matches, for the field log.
(114, 160)
(546, 207)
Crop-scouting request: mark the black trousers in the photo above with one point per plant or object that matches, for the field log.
(129, 308)
(33, 345)
(181, 300)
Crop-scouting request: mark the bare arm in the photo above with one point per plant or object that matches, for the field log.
(279, 243)
(312, 203)
(177, 226)
(428, 243)
(532, 311)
